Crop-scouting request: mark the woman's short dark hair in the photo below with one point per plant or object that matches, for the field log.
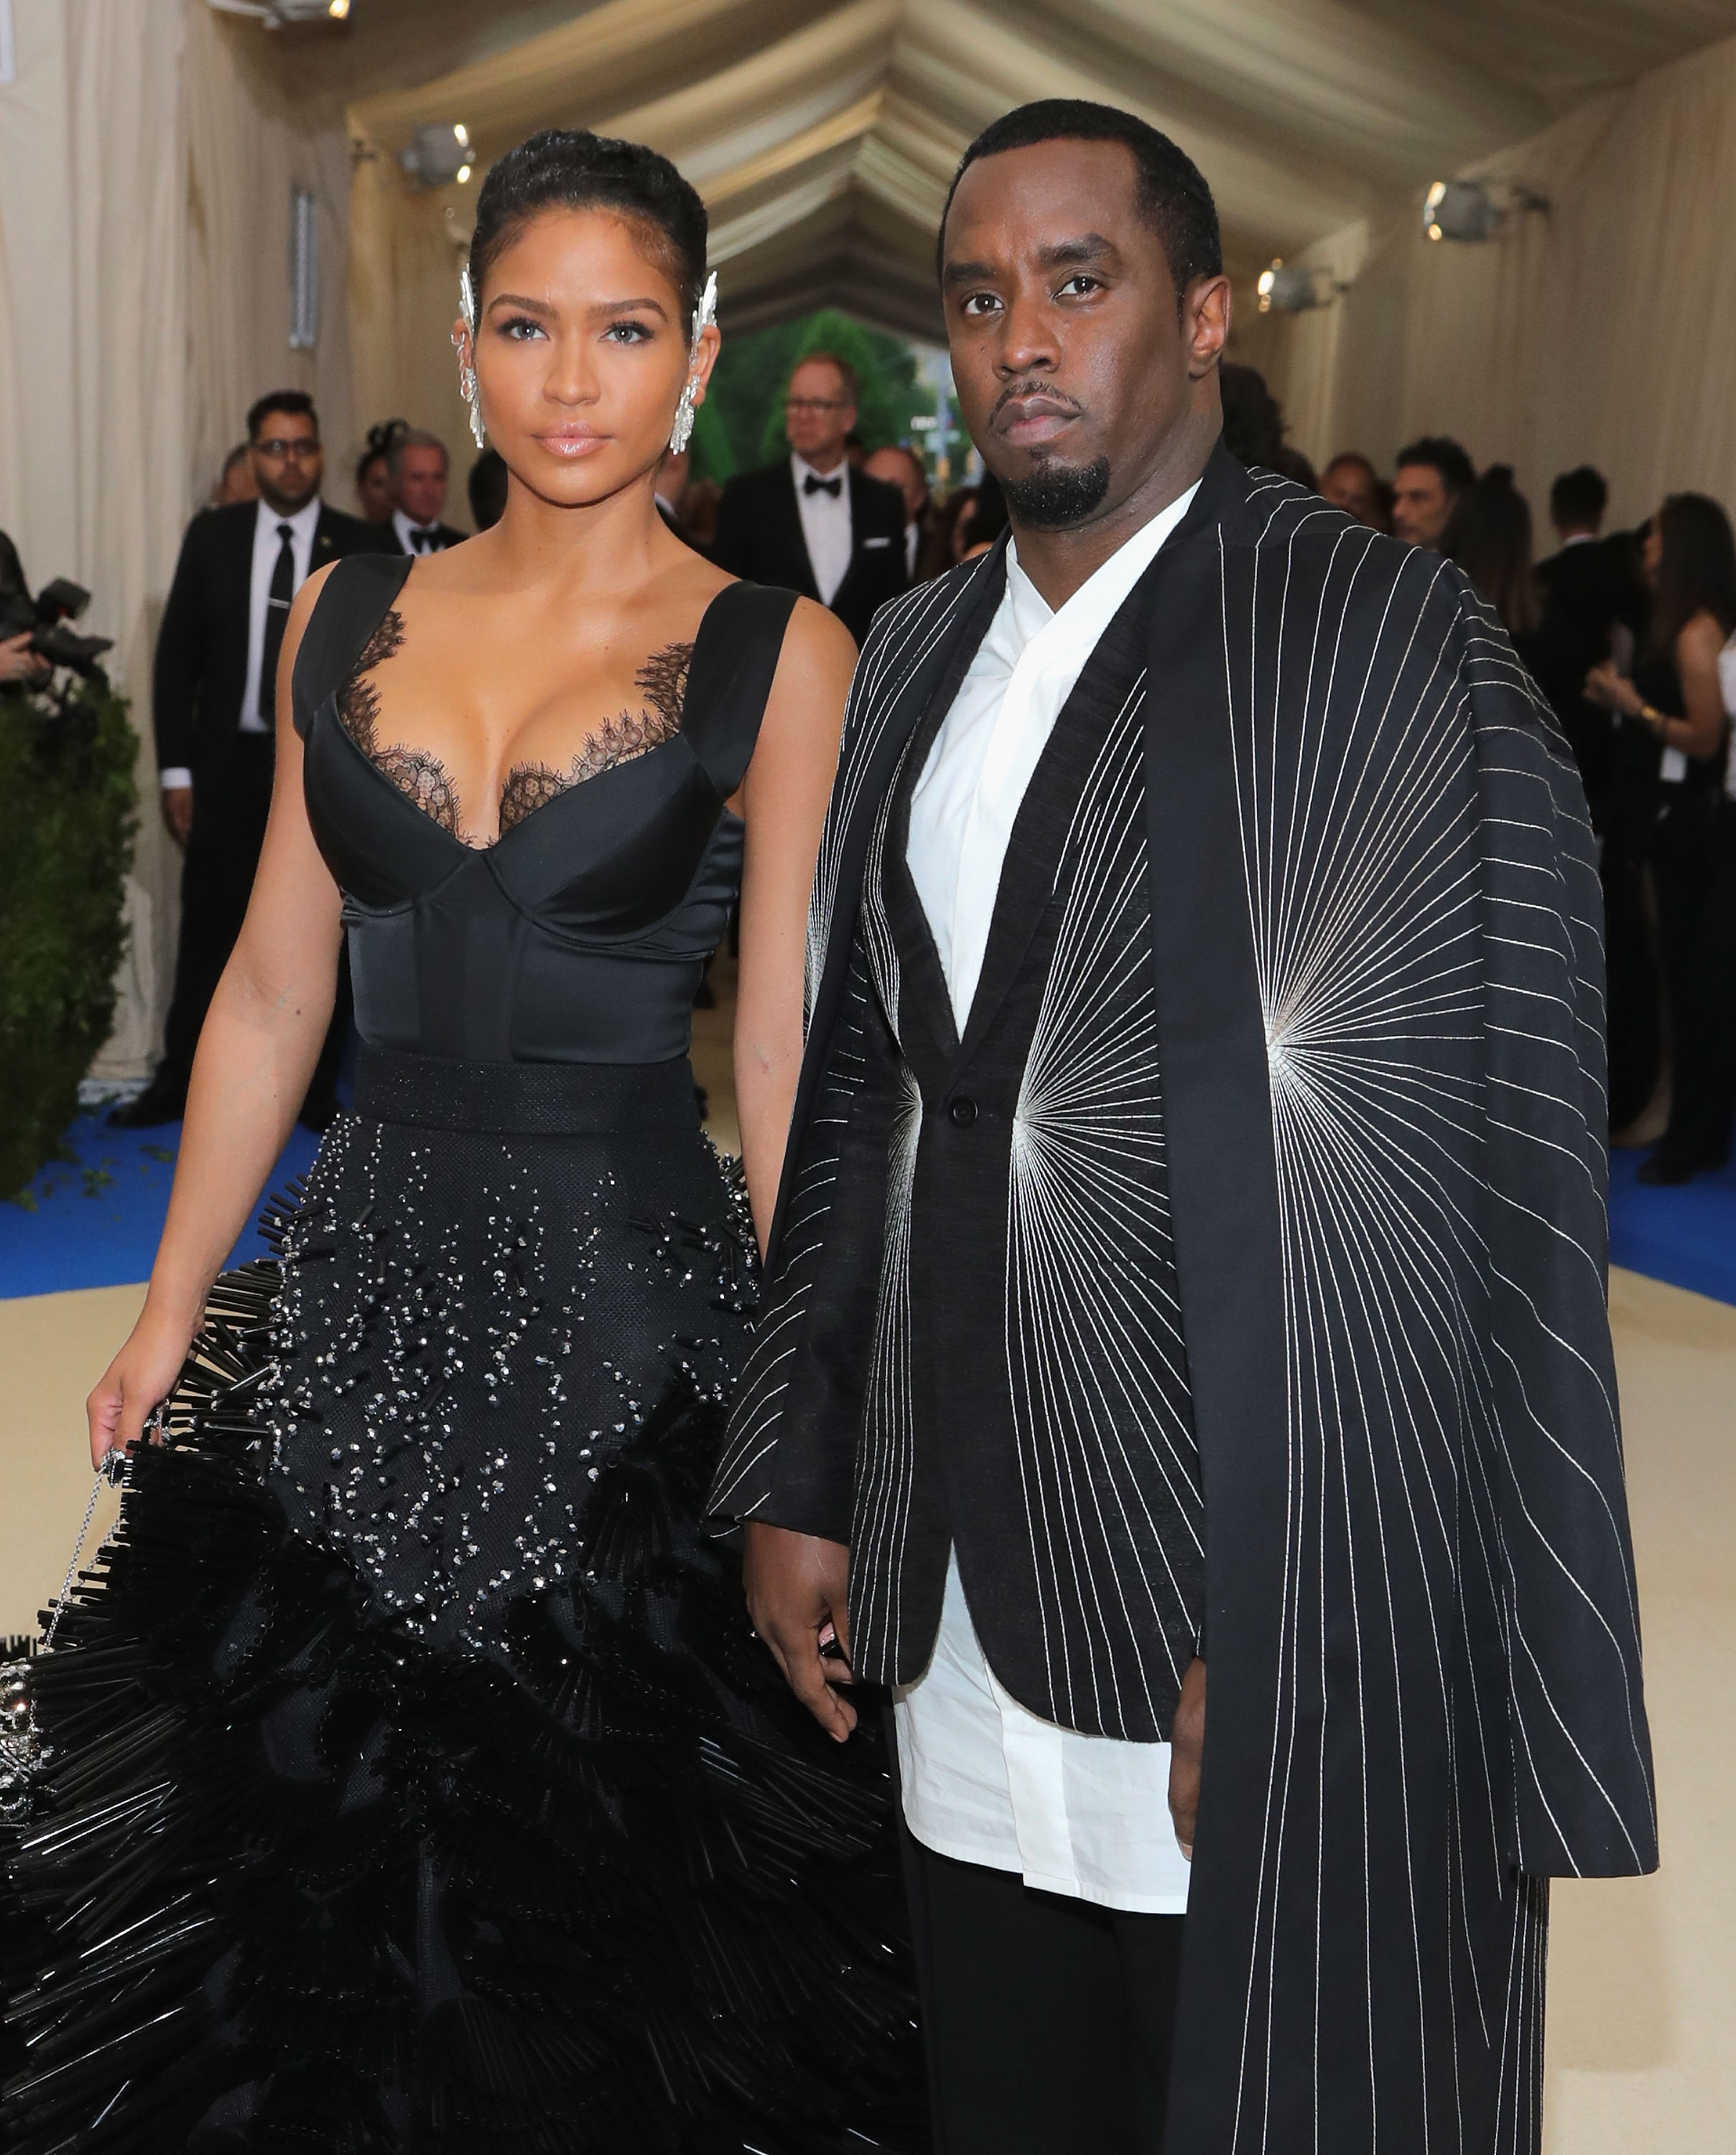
(1172, 193)
(1696, 567)
(378, 446)
(571, 168)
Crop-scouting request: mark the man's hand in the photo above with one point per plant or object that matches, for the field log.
(798, 1597)
(20, 662)
(178, 811)
(1187, 1742)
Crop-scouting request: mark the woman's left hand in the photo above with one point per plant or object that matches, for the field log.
(1614, 691)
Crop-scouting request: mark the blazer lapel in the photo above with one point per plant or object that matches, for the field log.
(931, 656)
(1040, 830)
(787, 512)
(324, 547)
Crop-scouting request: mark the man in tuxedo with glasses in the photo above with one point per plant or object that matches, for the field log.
(213, 706)
(814, 524)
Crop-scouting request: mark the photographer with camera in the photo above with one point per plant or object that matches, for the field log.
(17, 661)
(213, 700)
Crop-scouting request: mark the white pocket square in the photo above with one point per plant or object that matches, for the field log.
(867, 543)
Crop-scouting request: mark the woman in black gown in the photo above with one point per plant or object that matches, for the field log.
(407, 1776)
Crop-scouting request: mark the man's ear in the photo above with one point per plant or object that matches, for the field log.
(1205, 324)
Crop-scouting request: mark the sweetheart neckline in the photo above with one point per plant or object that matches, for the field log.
(500, 838)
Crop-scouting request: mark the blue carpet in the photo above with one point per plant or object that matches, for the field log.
(94, 1222)
(1686, 1237)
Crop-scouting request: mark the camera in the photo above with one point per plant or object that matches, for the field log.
(46, 619)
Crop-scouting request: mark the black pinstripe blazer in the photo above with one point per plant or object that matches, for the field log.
(1378, 991)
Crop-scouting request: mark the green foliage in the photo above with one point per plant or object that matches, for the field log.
(67, 826)
(740, 425)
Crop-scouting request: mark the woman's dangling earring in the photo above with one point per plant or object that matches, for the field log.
(705, 314)
(467, 371)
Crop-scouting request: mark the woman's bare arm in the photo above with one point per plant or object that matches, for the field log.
(783, 799)
(1697, 649)
(257, 1052)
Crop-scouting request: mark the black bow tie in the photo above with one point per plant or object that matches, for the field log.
(815, 484)
(422, 538)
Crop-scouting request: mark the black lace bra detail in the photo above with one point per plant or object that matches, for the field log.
(528, 786)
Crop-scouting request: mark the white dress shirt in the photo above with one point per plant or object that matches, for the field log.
(407, 531)
(266, 542)
(825, 525)
(985, 1780)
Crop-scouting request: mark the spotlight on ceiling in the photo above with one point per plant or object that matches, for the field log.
(1475, 209)
(438, 154)
(275, 14)
(1291, 289)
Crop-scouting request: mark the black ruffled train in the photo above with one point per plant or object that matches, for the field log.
(559, 1867)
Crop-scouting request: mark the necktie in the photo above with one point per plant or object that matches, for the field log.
(277, 613)
(813, 483)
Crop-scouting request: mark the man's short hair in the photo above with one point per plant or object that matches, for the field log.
(847, 374)
(1353, 457)
(296, 403)
(1579, 498)
(412, 438)
(1171, 189)
(1444, 454)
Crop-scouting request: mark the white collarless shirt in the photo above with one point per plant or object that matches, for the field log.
(825, 524)
(985, 1780)
(302, 525)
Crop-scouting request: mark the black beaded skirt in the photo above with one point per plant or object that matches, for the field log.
(408, 1776)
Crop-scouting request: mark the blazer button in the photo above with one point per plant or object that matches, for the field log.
(963, 1113)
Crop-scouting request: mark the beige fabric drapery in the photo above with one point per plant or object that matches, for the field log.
(145, 180)
(93, 345)
(1600, 330)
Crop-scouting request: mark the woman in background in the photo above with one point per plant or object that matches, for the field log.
(1690, 563)
(414, 1781)
(1488, 534)
(373, 471)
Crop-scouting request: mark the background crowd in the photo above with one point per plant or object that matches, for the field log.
(1629, 634)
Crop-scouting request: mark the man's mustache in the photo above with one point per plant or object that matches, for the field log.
(1044, 389)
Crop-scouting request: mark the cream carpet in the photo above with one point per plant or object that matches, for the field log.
(1642, 1972)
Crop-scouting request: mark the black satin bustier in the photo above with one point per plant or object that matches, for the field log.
(579, 935)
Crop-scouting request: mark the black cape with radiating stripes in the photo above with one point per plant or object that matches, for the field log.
(1378, 985)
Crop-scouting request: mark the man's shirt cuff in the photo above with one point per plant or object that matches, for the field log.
(176, 777)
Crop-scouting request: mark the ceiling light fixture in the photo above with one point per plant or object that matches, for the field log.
(1292, 287)
(438, 154)
(1475, 210)
(276, 14)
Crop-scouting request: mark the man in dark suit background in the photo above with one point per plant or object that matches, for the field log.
(815, 524)
(214, 704)
(418, 468)
(1589, 592)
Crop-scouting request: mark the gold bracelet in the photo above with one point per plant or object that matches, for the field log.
(1655, 718)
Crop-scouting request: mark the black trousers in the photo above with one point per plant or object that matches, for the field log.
(230, 808)
(1704, 985)
(1048, 2021)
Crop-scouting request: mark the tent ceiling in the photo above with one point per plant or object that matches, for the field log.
(823, 137)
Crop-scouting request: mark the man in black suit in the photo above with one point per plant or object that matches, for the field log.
(213, 703)
(1590, 592)
(1594, 607)
(417, 467)
(816, 525)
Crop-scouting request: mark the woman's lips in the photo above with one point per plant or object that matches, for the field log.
(571, 446)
